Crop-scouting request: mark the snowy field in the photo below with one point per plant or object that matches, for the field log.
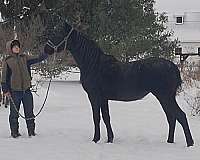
(65, 130)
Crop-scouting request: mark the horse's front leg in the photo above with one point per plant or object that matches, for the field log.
(95, 103)
(106, 119)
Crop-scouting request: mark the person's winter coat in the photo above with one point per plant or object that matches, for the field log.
(16, 71)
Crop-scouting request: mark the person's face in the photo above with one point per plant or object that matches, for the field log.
(16, 49)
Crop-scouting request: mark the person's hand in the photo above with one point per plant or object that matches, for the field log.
(7, 94)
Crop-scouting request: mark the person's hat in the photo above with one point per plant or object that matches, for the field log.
(15, 42)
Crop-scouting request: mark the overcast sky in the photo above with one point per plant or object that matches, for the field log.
(177, 5)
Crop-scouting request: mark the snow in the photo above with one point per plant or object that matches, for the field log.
(72, 74)
(65, 129)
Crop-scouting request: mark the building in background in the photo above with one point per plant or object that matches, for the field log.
(184, 20)
(186, 27)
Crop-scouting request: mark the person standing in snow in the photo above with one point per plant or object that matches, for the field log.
(3, 100)
(16, 83)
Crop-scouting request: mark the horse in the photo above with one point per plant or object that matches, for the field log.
(104, 78)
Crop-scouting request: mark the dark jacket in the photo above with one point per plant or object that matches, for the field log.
(16, 71)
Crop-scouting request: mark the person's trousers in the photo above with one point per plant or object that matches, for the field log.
(26, 98)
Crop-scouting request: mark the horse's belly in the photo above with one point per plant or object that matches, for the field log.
(125, 95)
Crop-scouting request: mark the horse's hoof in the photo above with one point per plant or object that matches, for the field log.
(110, 141)
(170, 141)
(190, 144)
(95, 140)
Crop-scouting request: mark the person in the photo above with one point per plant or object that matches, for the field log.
(16, 84)
(3, 100)
(1, 97)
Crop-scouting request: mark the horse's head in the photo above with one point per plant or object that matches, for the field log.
(57, 37)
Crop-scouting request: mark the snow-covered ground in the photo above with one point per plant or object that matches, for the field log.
(65, 130)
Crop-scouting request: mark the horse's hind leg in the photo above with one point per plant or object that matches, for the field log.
(172, 124)
(106, 119)
(174, 112)
(95, 103)
(181, 117)
(165, 103)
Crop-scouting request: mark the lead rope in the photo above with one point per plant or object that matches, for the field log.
(55, 47)
(47, 93)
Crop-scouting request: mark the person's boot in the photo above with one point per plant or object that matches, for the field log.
(15, 134)
(31, 132)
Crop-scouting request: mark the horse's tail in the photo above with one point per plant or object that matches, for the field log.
(179, 79)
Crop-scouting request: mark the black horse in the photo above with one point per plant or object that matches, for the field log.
(105, 78)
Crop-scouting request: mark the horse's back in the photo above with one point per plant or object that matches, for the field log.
(121, 81)
(159, 74)
(132, 81)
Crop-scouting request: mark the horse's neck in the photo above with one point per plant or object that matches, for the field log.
(84, 51)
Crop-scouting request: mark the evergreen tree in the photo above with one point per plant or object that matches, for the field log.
(16, 10)
(124, 28)
(20, 15)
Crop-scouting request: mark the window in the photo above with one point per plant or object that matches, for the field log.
(198, 50)
(178, 51)
(179, 20)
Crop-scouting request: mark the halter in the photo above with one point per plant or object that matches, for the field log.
(55, 47)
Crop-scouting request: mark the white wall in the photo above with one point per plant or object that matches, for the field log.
(187, 33)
